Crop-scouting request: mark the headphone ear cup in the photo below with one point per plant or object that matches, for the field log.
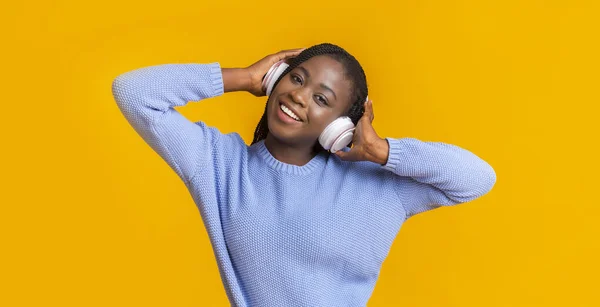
(343, 140)
(338, 134)
(273, 75)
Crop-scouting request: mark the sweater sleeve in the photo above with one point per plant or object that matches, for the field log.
(435, 174)
(147, 97)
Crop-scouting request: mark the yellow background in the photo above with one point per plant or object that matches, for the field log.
(91, 216)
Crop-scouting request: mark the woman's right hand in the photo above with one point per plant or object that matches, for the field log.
(258, 70)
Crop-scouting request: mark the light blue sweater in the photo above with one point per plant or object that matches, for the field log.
(287, 235)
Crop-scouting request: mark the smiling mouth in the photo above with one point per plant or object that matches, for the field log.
(289, 112)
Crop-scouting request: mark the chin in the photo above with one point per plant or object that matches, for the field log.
(279, 132)
(286, 135)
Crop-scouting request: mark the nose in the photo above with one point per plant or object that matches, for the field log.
(300, 96)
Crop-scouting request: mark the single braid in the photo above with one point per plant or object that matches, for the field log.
(353, 70)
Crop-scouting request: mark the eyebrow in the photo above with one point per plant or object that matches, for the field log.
(322, 85)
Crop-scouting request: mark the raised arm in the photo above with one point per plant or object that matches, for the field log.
(147, 97)
(428, 174)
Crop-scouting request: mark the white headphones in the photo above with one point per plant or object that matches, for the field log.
(337, 135)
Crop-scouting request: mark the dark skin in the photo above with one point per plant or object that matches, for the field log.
(318, 92)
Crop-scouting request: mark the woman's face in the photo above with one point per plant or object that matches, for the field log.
(316, 92)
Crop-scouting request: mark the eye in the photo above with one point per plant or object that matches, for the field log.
(320, 99)
(296, 79)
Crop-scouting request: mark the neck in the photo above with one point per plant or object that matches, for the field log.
(290, 154)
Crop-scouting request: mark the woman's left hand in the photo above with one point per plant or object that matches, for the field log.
(366, 144)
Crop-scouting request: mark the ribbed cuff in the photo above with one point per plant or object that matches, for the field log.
(394, 155)
(216, 79)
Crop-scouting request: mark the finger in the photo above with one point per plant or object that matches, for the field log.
(291, 52)
(343, 155)
(371, 113)
(285, 54)
(368, 114)
(347, 156)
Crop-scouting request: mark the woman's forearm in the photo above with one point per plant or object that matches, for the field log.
(235, 79)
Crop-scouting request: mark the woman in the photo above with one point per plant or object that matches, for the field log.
(290, 223)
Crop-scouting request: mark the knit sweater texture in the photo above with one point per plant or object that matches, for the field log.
(283, 234)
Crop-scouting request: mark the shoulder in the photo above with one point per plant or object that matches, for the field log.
(224, 143)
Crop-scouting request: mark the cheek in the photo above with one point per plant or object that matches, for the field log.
(321, 117)
(283, 85)
(270, 104)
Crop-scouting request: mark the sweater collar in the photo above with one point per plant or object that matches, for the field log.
(316, 162)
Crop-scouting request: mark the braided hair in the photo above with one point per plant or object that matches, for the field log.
(353, 70)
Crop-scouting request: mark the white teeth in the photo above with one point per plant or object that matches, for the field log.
(289, 112)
